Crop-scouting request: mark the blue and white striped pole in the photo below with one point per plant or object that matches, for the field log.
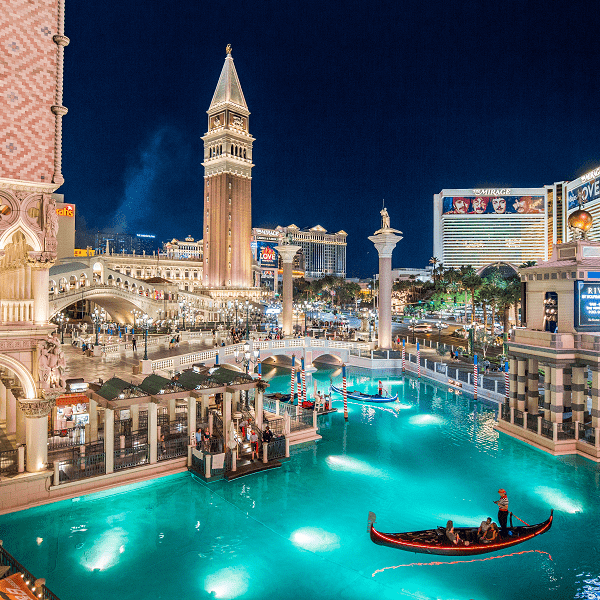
(506, 383)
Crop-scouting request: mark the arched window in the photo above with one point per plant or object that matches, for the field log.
(244, 153)
(231, 148)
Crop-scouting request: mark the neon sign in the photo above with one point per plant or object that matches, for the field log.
(67, 211)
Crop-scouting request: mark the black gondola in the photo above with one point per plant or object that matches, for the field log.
(435, 541)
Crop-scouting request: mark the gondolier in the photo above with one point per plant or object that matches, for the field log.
(502, 511)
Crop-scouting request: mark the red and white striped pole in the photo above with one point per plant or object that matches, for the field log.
(475, 377)
(345, 391)
(403, 354)
(506, 383)
(418, 360)
(259, 369)
(293, 381)
(303, 381)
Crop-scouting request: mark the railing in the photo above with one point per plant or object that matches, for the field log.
(9, 462)
(8, 560)
(276, 448)
(304, 420)
(587, 433)
(172, 448)
(131, 457)
(519, 417)
(565, 431)
(532, 421)
(81, 467)
(74, 437)
(547, 429)
(505, 412)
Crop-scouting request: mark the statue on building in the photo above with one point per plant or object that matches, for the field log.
(51, 363)
(228, 49)
(385, 218)
(50, 218)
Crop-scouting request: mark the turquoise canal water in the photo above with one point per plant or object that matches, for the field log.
(301, 531)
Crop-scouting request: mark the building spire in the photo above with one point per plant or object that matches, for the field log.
(229, 90)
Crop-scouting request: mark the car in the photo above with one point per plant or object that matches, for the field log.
(423, 327)
(461, 332)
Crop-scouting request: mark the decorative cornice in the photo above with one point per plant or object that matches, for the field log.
(19, 185)
(61, 40)
(37, 407)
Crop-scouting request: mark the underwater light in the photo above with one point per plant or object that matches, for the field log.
(558, 500)
(315, 539)
(230, 582)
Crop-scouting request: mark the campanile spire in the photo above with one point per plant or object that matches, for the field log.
(227, 175)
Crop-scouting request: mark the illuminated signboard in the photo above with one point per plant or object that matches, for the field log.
(266, 255)
(490, 205)
(84, 252)
(584, 190)
(66, 211)
(587, 306)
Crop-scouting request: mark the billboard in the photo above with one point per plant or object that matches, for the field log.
(490, 205)
(266, 255)
(587, 306)
(584, 190)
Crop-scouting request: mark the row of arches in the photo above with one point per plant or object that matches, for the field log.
(166, 273)
(217, 150)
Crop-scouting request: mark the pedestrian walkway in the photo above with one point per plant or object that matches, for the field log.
(121, 364)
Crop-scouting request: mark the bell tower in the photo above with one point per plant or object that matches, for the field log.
(227, 176)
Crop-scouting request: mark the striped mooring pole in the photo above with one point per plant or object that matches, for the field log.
(418, 360)
(298, 381)
(506, 383)
(345, 392)
(303, 380)
(259, 368)
(293, 380)
(403, 354)
(475, 377)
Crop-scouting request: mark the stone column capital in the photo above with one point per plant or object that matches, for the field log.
(385, 243)
(37, 407)
(287, 251)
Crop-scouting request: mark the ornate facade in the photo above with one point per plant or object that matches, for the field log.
(227, 174)
(30, 171)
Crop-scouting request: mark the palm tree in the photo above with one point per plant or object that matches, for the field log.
(471, 281)
(434, 261)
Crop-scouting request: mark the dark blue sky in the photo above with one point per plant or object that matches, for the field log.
(351, 103)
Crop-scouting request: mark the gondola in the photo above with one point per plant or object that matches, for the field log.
(434, 541)
(356, 395)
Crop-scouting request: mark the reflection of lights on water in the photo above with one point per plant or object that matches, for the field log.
(558, 500)
(402, 406)
(353, 465)
(39, 541)
(105, 550)
(425, 420)
(315, 540)
(230, 582)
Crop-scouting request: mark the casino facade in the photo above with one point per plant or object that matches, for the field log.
(488, 225)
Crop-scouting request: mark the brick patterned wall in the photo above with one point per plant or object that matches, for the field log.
(28, 65)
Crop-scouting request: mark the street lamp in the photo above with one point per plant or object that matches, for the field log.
(247, 357)
(182, 309)
(98, 318)
(145, 322)
(413, 323)
(247, 315)
(439, 326)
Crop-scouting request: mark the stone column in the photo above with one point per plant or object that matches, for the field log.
(556, 394)
(226, 416)
(275, 281)
(567, 381)
(93, 412)
(2, 401)
(191, 402)
(512, 392)
(533, 380)
(521, 382)
(20, 428)
(287, 252)
(172, 410)
(109, 440)
(258, 407)
(205, 405)
(595, 397)
(385, 241)
(39, 289)
(36, 413)
(11, 412)
(578, 396)
(547, 392)
(153, 431)
(135, 417)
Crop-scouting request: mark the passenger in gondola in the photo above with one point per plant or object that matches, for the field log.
(453, 536)
(491, 535)
(483, 528)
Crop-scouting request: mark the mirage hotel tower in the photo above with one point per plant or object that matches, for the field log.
(227, 175)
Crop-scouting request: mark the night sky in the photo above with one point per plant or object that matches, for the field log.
(351, 102)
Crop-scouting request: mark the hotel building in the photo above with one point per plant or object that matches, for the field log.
(483, 226)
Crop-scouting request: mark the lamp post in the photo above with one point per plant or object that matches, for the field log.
(145, 322)
(60, 317)
(248, 356)
(413, 322)
(182, 309)
(98, 317)
(247, 315)
(439, 326)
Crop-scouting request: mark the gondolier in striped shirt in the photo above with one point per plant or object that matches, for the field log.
(502, 511)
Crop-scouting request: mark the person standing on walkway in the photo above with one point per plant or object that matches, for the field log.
(254, 444)
(134, 344)
(502, 511)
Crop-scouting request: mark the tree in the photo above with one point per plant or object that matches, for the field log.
(471, 281)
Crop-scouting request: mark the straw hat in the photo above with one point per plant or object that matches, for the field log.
(502, 491)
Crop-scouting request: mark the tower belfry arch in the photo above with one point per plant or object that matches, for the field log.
(227, 166)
